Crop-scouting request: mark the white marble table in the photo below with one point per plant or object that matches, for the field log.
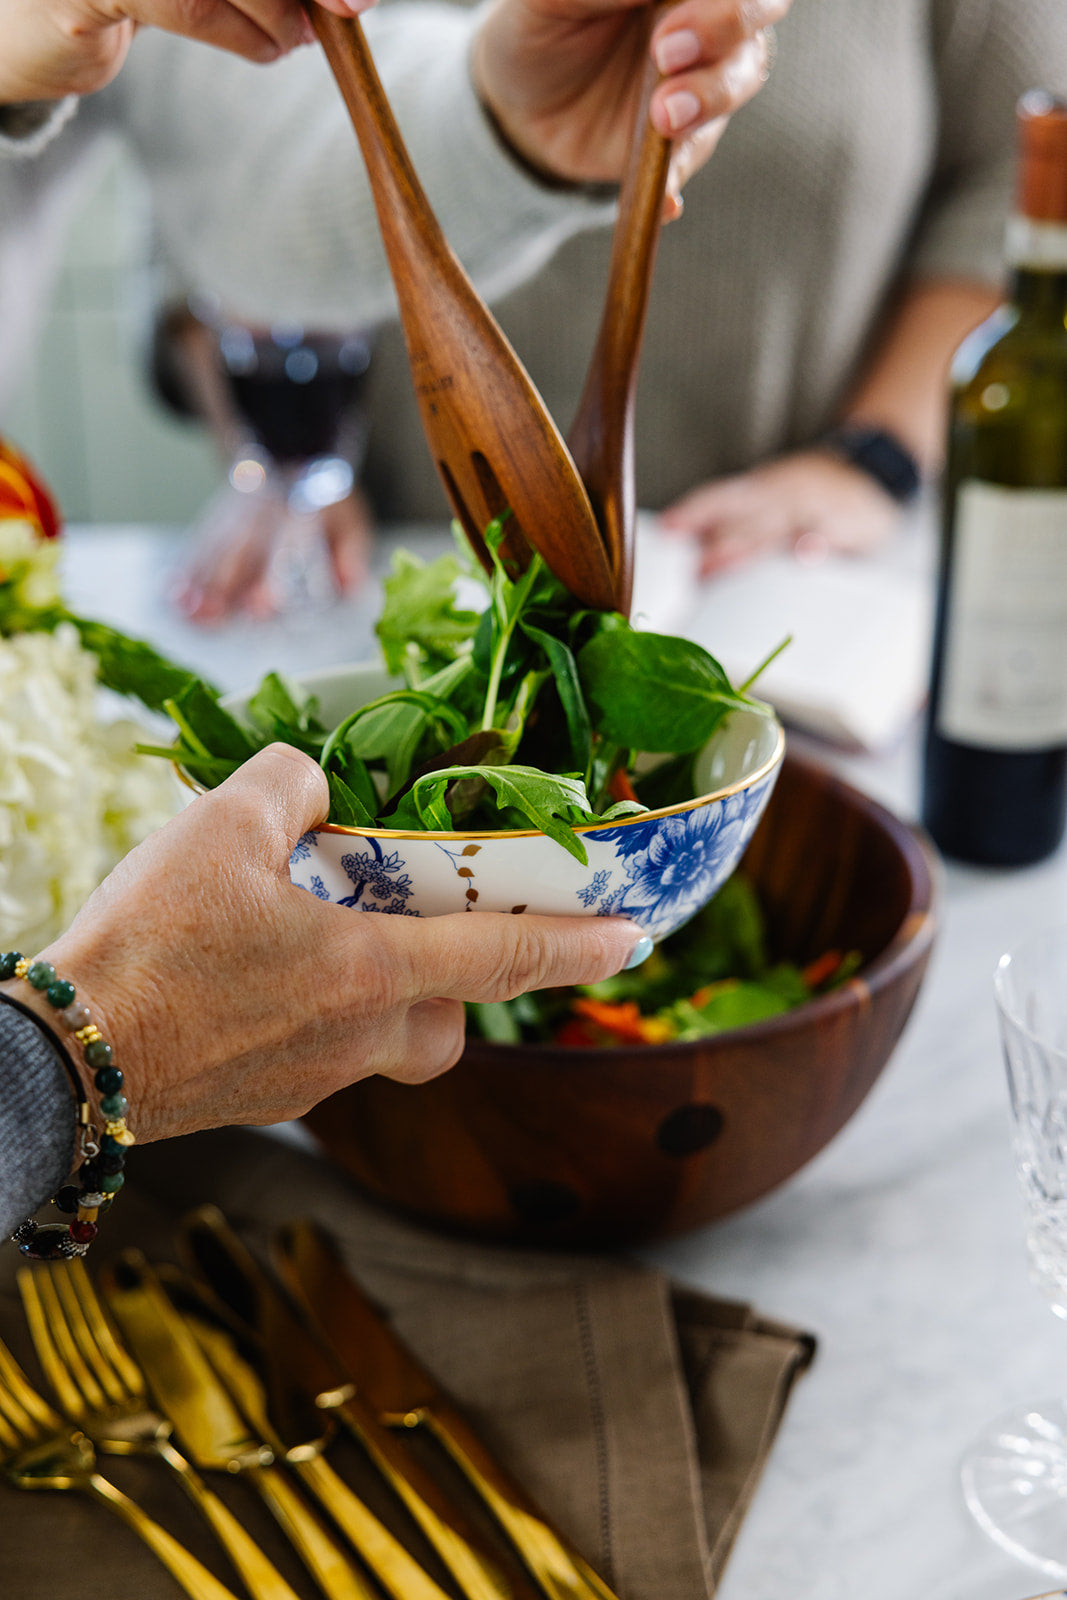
(900, 1246)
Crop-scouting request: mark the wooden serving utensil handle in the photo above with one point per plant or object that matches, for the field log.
(398, 195)
(601, 435)
(494, 444)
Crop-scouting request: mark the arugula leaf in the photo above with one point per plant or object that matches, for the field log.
(346, 807)
(206, 728)
(651, 691)
(130, 666)
(283, 710)
(420, 610)
(392, 728)
(568, 686)
(550, 803)
(207, 770)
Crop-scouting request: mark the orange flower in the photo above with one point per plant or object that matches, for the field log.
(23, 496)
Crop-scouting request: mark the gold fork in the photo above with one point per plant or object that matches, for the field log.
(101, 1389)
(37, 1451)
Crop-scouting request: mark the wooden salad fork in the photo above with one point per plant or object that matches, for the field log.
(39, 1451)
(601, 435)
(101, 1389)
(490, 434)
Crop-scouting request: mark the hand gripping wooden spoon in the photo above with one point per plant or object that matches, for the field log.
(601, 436)
(493, 442)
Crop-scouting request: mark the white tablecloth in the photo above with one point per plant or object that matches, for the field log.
(900, 1246)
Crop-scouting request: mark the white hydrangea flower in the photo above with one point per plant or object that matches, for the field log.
(28, 568)
(74, 796)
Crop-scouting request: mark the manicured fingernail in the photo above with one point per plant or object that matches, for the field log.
(682, 108)
(676, 50)
(640, 952)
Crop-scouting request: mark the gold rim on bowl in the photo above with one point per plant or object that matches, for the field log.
(724, 793)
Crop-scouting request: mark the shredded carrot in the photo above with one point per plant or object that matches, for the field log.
(620, 787)
(622, 1021)
(822, 969)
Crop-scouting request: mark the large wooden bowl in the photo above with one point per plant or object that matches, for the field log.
(551, 1146)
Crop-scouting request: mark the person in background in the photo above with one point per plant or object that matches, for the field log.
(846, 236)
(518, 119)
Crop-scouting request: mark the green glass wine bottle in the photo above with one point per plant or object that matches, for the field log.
(995, 767)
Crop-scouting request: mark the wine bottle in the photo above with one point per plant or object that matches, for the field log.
(995, 768)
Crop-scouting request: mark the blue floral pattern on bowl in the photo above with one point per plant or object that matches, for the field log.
(658, 869)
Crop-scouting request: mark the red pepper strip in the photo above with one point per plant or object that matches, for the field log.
(575, 1034)
(822, 969)
(620, 787)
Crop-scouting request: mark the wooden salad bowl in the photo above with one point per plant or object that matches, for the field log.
(537, 1144)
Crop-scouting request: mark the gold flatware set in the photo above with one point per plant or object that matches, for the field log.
(218, 1368)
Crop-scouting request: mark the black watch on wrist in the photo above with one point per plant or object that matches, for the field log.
(880, 455)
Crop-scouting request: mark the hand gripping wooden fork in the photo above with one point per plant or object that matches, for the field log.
(39, 1451)
(102, 1391)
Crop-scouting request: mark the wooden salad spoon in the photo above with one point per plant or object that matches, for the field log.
(493, 442)
(601, 436)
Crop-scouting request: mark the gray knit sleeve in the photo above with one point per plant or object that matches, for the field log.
(36, 1119)
(987, 54)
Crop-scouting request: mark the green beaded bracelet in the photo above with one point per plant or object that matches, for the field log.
(101, 1156)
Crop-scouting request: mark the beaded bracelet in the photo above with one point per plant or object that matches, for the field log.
(101, 1158)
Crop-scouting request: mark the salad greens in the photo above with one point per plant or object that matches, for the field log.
(527, 713)
(712, 975)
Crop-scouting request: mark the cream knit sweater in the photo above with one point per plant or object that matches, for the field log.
(258, 185)
(881, 148)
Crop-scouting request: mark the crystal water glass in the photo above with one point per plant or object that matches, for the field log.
(1015, 1474)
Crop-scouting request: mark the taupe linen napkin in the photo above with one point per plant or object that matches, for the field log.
(637, 1415)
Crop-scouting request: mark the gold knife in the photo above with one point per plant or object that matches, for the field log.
(211, 1427)
(296, 1359)
(405, 1395)
(299, 1441)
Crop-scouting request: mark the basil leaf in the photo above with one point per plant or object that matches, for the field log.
(650, 691)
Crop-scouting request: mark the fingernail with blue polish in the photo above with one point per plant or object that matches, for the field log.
(640, 952)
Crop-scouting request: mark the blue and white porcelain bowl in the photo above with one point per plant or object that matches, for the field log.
(658, 868)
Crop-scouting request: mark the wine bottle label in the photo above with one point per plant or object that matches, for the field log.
(1041, 245)
(1004, 679)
